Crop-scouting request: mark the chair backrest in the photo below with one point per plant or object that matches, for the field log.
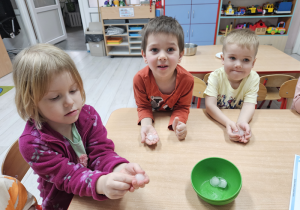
(205, 79)
(199, 87)
(287, 89)
(262, 92)
(275, 80)
(14, 164)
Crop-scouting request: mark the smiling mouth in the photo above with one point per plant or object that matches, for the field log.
(162, 66)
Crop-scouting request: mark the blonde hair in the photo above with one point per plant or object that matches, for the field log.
(243, 38)
(33, 69)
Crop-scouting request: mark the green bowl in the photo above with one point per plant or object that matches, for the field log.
(207, 168)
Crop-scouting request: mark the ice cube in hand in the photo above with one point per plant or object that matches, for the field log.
(150, 137)
(241, 132)
(139, 177)
(214, 181)
(222, 183)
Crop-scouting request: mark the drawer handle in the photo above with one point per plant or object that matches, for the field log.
(187, 33)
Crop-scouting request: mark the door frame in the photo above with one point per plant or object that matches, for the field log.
(22, 6)
(296, 48)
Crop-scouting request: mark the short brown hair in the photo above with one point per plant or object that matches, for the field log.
(242, 37)
(166, 25)
(33, 69)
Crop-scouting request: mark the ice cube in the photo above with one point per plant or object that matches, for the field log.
(222, 183)
(214, 181)
(139, 177)
(150, 137)
(241, 132)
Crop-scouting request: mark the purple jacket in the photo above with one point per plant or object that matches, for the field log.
(52, 157)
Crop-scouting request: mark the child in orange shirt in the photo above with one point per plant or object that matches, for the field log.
(163, 85)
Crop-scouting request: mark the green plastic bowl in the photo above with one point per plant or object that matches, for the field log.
(207, 168)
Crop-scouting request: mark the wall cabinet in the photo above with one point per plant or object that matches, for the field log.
(198, 19)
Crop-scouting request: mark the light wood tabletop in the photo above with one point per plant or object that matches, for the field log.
(265, 163)
(269, 60)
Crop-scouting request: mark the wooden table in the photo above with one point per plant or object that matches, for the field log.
(266, 162)
(269, 61)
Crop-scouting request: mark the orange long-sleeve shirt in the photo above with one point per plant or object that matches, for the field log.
(149, 98)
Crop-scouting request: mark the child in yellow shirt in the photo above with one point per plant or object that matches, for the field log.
(235, 85)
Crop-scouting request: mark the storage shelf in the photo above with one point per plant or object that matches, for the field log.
(263, 35)
(124, 34)
(122, 24)
(134, 30)
(121, 44)
(116, 51)
(254, 16)
(135, 42)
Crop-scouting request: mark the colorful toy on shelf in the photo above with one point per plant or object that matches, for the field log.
(268, 8)
(259, 9)
(158, 4)
(122, 3)
(283, 7)
(116, 3)
(251, 10)
(240, 11)
(279, 30)
(260, 28)
(229, 10)
(239, 26)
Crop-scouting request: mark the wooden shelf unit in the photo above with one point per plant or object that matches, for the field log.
(276, 40)
(131, 44)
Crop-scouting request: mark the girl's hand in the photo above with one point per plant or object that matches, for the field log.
(179, 128)
(132, 169)
(114, 185)
(247, 131)
(231, 131)
(146, 131)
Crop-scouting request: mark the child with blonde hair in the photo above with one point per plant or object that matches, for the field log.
(235, 85)
(64, 140)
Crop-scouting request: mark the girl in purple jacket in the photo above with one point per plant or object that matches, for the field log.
(64, 141)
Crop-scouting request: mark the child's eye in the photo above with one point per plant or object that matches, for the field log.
(170, 50)
(246, 60)
(53, 99)
(232, 58)
(154, 50)
(73, 91)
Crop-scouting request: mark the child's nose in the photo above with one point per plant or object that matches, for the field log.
(162, 56)
(69, 101)
(238, 64)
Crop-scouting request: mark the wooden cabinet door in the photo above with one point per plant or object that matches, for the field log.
(204, 13)
(202, 33)
(176, 2)
(182, 13)
(186, 31)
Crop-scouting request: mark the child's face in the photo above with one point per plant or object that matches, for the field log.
(62, 102)
(162, 54)
(238, 62)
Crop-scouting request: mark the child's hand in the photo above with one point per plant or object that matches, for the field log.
(231, 127)
(133, 169)
(179, 128)
(247, 131)
(146, 131)
(114, 185)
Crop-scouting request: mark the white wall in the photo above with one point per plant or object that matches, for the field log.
(21, 41)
